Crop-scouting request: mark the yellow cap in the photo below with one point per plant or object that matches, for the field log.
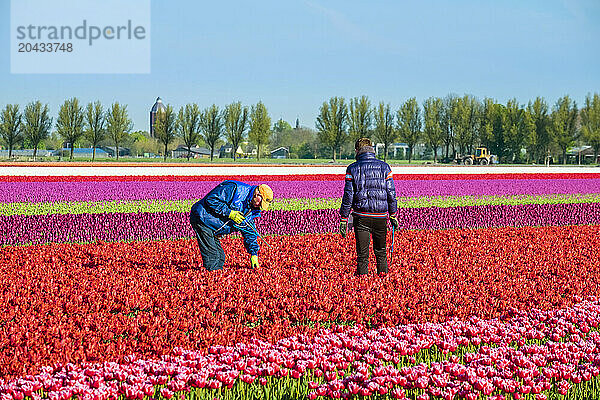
(267, 196)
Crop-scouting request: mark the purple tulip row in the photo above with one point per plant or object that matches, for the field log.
(59, 228)
(38, 229)
(37, 192)
(499, 215)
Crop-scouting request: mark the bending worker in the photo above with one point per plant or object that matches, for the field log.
(230, 207)
(369, 191)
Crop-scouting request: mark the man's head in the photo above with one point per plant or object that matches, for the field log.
(263, 196)
(362, 142)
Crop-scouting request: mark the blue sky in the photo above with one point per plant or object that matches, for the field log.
(293, 55)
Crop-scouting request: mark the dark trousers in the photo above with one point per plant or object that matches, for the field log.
(364, 227)
(213, 256)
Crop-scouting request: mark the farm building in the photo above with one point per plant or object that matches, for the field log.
(281, 152)
(196, 152)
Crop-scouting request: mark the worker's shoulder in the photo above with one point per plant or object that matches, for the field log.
(234, 184)
(381, 164)
(369, 163)
(228, 186)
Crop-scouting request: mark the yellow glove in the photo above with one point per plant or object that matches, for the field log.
(236, 216)
(254, 261)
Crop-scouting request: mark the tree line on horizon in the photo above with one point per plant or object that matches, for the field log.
(452, 125)
(95, 124)
(233, 122)
(457, 125)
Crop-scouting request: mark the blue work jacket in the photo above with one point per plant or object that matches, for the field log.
(213, 211)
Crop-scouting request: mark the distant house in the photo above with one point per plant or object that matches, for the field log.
(580, 154)
(196, 152)
(399, 149)
(395, 148)
(112, 151)
(225, 152)
(86, 152)
(280, 152)
(29, 153)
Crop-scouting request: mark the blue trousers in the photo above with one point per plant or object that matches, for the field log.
(213, 256)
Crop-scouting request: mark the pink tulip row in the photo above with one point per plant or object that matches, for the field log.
(535, 352)
(36, 192)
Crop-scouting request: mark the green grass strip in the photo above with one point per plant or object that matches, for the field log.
(95, 207)
(447, 201)
(140, 206)
(155, 206)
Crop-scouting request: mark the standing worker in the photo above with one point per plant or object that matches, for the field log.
(230, 207)
(369, 191)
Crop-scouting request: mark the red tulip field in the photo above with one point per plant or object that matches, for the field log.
(492, 292)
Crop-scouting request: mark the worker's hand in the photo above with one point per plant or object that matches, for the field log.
(236, 217)
(394, 222)
(343, 228)
(254, 262)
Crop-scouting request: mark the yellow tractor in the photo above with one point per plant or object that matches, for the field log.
(481, 157)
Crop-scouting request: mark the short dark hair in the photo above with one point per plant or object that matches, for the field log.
(363, 141)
